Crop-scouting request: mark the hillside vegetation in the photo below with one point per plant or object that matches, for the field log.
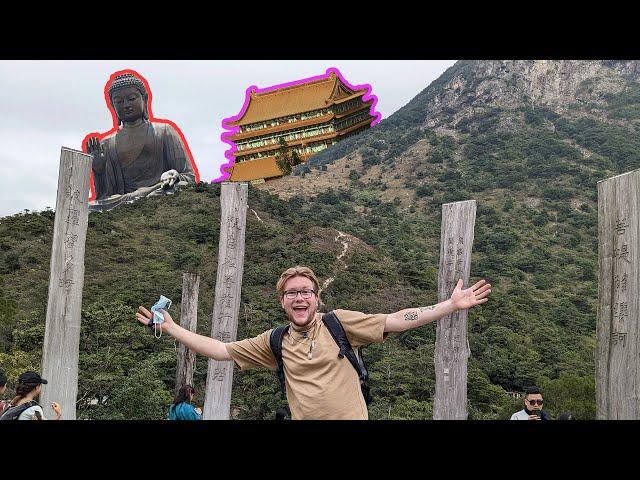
(527, 140)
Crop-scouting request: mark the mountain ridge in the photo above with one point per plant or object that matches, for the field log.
(532, 166)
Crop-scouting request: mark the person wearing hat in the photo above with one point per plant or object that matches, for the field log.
(28, 388)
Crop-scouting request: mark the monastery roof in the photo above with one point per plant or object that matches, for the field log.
(294, 99)
(254, 169)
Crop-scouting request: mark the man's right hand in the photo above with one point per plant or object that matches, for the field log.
(144, 316)
(534, 417)
(207, 346)
(94, 148)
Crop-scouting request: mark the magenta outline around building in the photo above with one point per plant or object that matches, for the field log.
(247, 96)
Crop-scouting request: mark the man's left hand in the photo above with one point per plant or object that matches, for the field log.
(470, 297)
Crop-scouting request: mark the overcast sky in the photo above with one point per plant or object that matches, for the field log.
(45, 105)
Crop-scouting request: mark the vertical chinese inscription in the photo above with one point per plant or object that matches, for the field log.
(66, 279)
(225, 305)
(233, 210)
(72, 211)
(620, 275)
(456, 241)
(454, 261)
(617, 366)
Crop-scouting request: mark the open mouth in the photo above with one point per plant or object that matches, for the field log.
(300, 310)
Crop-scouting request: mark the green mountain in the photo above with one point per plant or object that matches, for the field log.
(528, 140)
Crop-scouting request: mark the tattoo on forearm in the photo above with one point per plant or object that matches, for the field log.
(411, 316)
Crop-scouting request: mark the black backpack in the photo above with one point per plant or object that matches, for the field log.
(334, 326)
(14, 412)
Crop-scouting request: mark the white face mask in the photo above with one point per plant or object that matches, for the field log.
(158, 318)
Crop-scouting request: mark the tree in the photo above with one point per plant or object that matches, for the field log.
(571, 393)
(286, 158)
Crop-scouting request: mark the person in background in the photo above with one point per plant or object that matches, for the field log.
(28, 388)
(532, 406)
(182, 409)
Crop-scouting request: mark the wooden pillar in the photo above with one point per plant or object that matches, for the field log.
(452, 346)
(233, 215)
(66, 279)
(188, 320)
(617, 348)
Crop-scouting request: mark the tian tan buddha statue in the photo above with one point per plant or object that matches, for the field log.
(141, 158)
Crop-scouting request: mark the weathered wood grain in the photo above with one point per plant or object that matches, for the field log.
(233, 213)
(188, 320)
(617, 361)
(66, 279)
(452, 346)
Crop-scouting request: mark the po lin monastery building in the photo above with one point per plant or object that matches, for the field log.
(309, 116)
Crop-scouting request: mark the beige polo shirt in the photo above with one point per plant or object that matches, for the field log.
(323, 387)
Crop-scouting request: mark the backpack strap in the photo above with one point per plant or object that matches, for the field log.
(275, 342)
(14, 412)
(336, 329)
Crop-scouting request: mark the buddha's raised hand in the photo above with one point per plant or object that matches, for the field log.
(94, 148)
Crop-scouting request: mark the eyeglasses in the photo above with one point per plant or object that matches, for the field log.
(290, 294)
(533, 402)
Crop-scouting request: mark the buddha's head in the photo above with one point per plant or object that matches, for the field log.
(129, 98)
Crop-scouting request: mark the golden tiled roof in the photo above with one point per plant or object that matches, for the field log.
(255, 169)
(295, 99)
(350, 97)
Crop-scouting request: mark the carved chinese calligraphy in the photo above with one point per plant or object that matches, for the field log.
(233, 206)
(62, 331)
(617, 366)
(452, 349)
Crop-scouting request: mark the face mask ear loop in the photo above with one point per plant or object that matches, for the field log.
(155, 328)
